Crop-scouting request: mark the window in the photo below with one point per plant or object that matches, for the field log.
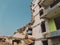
(57, 22)
(33, 10)
(54, 3)
(43, 26)
(2, 40)
(33, 4)
(39, 5)
(41, 12)
(16, 41)
(45, 42)
(29, 31)
(44, 1)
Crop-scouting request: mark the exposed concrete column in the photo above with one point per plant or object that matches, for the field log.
(38, 42)
(47, 25)
(49, 42)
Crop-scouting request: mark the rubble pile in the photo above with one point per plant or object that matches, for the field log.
(5, 43)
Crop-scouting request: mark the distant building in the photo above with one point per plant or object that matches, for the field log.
(24, 35)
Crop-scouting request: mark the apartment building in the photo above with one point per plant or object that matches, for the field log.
(52, 18)
(38, 25)
(47, 21)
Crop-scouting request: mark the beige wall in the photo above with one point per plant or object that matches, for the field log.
(36, 26)
(9, 40)
(19, 35)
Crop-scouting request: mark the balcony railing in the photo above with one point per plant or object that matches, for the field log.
(49, 35)
(54, 3)
(55, 34)
(50, 11)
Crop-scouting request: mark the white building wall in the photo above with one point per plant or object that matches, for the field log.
(37, 32)
(37, 20)
(36, 26)
(36, 10)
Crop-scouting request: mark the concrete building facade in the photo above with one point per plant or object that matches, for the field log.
(52, 18)
(47, 21)
(37, 30)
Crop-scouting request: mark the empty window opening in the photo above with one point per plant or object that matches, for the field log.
(43, 26)
(57, 22)
(39, 5)
(29, 31)
(33, 10)
(2, 40)
(16, 41)
(41, 12)
(45, 42)
(33, 4)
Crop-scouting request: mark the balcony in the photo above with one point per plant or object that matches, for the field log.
(47, 3)
(55, 34)
(51, 12)
(49, 35)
